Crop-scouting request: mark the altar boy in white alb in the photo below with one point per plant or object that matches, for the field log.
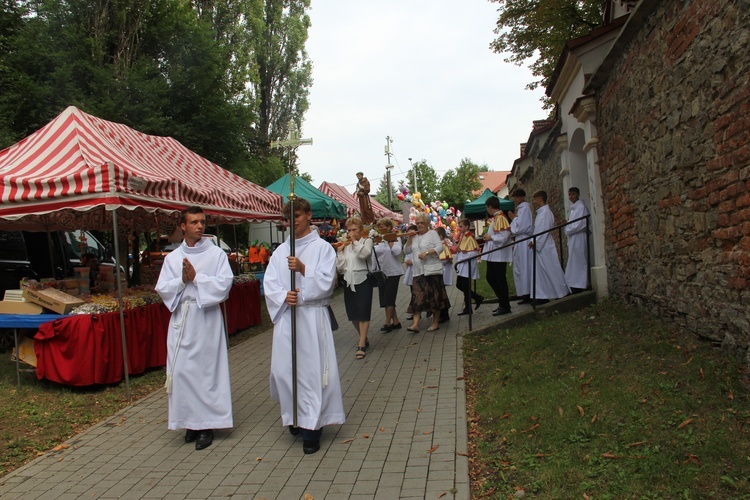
(577, 268)
(194, 280)
(550, 280)
(319, 400)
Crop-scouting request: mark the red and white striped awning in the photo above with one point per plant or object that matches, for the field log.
(340, 193)
(82, 166)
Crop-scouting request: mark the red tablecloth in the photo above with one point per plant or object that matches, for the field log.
(87, 349)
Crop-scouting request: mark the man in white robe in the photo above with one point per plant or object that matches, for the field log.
(521, 226)
(194, 280)
(577, 268)
(319, 399)
(550, 279)
(497, 236)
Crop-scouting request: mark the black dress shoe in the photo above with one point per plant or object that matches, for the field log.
(541, 301)
(479, 301)
(525, 301)
(386, 328)
(205, 438)
(294, 431)
(190, 435)
(501, 311)
(310, 446)
(397, 326)
(465, 312)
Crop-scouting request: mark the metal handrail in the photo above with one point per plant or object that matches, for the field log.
(533, 237)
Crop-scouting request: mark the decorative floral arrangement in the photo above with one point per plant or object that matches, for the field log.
(374, 235)
(133, 297)
(342, 235)
(244, 278)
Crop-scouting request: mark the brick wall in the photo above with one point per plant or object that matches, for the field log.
(674, 151)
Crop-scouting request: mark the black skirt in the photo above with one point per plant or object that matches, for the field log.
(388, 291)
(358, 303)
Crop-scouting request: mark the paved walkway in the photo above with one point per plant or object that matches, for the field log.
(404, 437)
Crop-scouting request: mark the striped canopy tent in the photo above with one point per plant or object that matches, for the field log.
(340, 193)
(78, 170)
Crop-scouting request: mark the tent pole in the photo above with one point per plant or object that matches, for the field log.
(122, 305)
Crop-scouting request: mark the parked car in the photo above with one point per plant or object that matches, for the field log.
(39, 255)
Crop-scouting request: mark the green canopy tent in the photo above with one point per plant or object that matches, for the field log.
(477, 210)
(323, 206)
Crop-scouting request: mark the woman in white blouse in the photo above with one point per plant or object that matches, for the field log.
(387, 257)
(352, 261)
(428, 291)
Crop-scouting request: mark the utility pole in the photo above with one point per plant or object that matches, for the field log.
(414, 173)
(388, 167)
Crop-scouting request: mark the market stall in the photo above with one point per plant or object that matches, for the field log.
(82, 172)
(85, 349)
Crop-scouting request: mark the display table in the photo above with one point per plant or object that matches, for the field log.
(18, 321)
(83, 350)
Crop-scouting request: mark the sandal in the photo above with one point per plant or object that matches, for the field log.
(360, 354)
(433, 329)
(412, 330)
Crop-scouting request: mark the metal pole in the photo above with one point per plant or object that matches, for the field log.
(294, 287)
(390, 195)
(588, 251)
(533, 275)
(122, 306)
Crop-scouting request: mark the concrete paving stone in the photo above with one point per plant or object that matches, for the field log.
(247, 490)
(132, 495)
(186, 486)
(408, 494)
(392, 479)
(395, 465)
(325, 474)
(370, 474)
(339, 491)
(224, 490)
(411, 481)
(267, 495)
(387, 493)
(157, 492)
(297, 478)
(363, 487)
(318, 489)
(291, 492)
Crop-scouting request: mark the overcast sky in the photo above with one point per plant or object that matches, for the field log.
(420, 71)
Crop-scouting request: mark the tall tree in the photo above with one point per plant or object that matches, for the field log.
(427, 181)
(282, 70)
(457, 185)
(538, 30)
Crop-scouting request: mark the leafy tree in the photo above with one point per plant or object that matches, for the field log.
(427, 181)
(281, 69)
(201, 72)
(457, 185)
(538, 29)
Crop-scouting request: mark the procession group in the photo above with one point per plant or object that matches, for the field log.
(196, 278)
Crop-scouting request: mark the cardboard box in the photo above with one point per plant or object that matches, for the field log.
(13, 307)
(52, 299)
